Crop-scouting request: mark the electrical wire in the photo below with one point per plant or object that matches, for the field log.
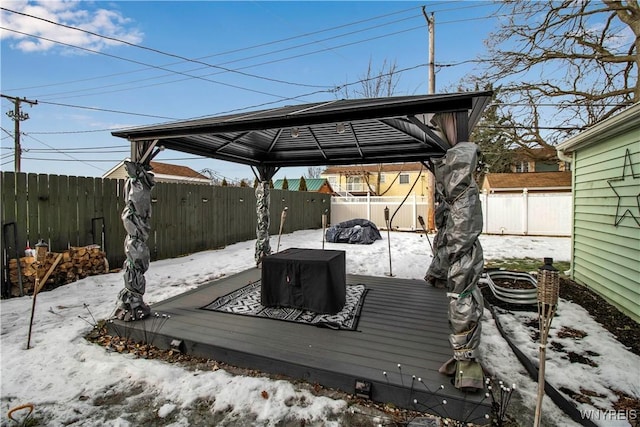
(293, 98)
(286, 49)
(160, 52)
(107, 110)
(106, 147)
(62, 153)
(138, 62)
(230, 51)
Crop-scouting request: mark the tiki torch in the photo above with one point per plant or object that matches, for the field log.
(283, 217)
(41, 254)
(324, 226)
(548, 291)
(386, 220)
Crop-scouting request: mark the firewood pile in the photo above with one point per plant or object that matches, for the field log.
(76, 263)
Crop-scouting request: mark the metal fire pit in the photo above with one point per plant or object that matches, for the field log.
(510, 295)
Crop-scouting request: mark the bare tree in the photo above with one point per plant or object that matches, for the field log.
(314, 171)
(375, 85)
(562, 66)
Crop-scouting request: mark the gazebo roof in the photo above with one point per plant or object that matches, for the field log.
(346, 131)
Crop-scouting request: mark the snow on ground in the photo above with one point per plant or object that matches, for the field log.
(65, 376)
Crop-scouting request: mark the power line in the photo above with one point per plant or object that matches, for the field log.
(60, 152)
(293, 98)
(150, 49)
(233, 50)
(105, 147)
(137, 62)
(107, 110)
(286, 49)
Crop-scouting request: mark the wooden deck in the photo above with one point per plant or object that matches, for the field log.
(403, 332)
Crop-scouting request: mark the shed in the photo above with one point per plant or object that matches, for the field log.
(315, 185)
(533, 182)
(606, 212)
(163, 172)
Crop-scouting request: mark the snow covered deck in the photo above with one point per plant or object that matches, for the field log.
(402, 333)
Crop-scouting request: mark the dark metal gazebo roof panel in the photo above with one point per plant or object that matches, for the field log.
(377, 130)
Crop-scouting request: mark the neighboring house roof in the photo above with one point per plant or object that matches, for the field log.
(313, 184)
(533, 154)
(359, 169)
(531, 181)
(166, 170)
(175, 170)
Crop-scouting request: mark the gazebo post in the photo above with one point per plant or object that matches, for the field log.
(263, 200)
(458, 260)
(136, 219)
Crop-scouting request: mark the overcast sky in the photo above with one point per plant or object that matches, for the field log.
(244, 56)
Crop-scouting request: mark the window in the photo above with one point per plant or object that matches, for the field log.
(381, 178)
(522, 167)
(404, 178)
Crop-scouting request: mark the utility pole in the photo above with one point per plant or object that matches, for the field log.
(18, 116)
(432, 49)
(431, 222)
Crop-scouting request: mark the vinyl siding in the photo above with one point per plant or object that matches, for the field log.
(606, 256)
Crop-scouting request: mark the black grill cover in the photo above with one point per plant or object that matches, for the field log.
(359, 231)
(309, 279)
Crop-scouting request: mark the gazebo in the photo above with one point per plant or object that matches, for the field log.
(431, 129)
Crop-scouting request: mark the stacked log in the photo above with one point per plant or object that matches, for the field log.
(76, 263)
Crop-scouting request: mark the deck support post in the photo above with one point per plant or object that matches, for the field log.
(263, 200)
(458, 260)
(136, 218)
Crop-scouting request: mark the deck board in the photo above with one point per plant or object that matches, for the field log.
(403, 322)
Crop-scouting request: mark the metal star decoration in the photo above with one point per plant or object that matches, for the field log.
(625, 187)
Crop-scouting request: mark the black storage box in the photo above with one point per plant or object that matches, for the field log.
(309, 279)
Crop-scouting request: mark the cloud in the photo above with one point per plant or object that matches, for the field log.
(107, 22)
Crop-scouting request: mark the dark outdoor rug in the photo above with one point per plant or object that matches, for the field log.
(246, 301)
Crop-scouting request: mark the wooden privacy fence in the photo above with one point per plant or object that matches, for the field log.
(70, 211)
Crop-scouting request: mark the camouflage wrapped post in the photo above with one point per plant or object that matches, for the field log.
(458, 261)
(136, 219)
(263, 247)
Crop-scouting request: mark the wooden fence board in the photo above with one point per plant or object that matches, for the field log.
(21, 212)
(9, 227)
(33, 229)
(84, 193)
(217, 218)
(113, 244)
(55, 239)
(97, 218)
(43, 194)
(72, 211)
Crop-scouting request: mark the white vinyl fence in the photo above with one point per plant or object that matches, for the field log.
(535, 214)
(372, 208)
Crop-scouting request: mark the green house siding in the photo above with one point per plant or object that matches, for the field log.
(606, 234)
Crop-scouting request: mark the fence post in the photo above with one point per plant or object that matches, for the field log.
(485, 211)
(415, 213)
(525, 211)
(368, 206)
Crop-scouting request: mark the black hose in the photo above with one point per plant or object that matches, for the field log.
(557, 398)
